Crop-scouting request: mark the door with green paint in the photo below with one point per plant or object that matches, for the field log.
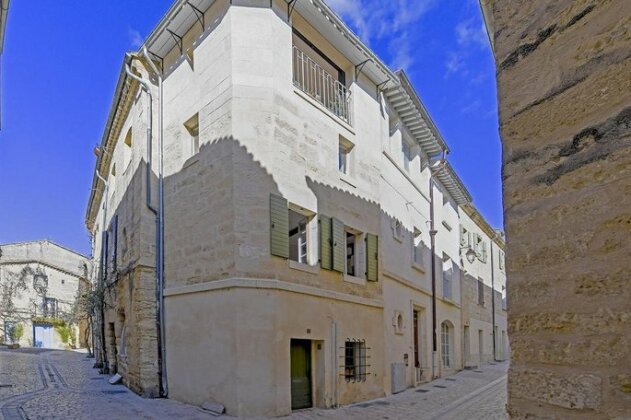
(300, 374)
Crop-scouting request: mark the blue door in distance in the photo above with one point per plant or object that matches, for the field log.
(43, 335)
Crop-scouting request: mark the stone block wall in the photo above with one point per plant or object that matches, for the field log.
(564, 81)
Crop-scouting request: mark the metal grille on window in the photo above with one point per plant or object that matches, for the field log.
(355, 360)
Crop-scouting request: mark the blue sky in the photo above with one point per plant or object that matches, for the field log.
(60, 65)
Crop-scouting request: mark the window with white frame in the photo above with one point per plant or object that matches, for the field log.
(192, 127)
(344, 156)
(407, 154)
(500, 259)
(417, 248)
(354, 253)
(446, 335)
(298, 237)
(448, 271)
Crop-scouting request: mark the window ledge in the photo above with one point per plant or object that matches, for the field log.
(311, 269)
(348, 180)
(418, 267)
(324, 110)
(354, 280)
(190, 161)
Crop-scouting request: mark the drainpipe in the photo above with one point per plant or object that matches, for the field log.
(164, 389)
(101, 282)
(434, 169)
(493, 299)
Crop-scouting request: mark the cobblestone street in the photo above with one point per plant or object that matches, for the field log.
(40, 384)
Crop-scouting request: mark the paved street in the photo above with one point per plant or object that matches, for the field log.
(40, 384)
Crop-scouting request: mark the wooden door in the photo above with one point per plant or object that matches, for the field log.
(301, 392)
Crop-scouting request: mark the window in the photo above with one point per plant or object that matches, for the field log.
(40, 283)
(127, 149)
(112, 181)
(351, 251)
(407, 154)
(447, 276)
(397, 230)
(50, 307)
(480, 292)
(445, 342)
(344, 156)
(355, 360)
(298, 245)
(501, 260)
(192, 127)
(417, 248)
(479, 246)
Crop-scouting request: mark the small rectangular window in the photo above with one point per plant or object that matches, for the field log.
(355, 360)
(407, 154)
(397, 230)
(417, 248)
(344, 156)
(501, 260)
(447, 277)
(127, 149)
(50, 307)
(480, 292)
(192, 126)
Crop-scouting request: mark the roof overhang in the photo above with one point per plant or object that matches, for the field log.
(178, 20)
(323, 19)
(406, 102)
(496, 235)
(125, 89)
(4, 11)
(452, 183)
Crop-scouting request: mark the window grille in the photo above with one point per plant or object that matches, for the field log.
(355, 360)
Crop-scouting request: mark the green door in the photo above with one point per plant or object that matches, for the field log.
(300, 374)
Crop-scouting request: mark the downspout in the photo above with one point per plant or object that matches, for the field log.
(102, 273)
(437, 167)
(161, 326)
(493, 299)
(146, 86)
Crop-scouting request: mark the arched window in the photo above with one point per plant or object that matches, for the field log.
(446, 334)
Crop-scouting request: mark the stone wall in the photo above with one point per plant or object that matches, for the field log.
(564, 85)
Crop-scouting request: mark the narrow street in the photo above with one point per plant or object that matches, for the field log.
(45, 384)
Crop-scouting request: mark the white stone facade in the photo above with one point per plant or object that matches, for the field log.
(249, 145)
(40, 283)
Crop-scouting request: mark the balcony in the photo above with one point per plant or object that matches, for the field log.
(316, 82)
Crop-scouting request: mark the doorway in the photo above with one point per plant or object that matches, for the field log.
(301, 391)
(481, 346)
(467, 346)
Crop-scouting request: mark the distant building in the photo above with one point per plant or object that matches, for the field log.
(39, 285)
(300, 177)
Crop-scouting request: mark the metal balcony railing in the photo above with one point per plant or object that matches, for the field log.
(316, 82)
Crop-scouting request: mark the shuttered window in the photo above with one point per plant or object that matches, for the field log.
(372, 256)
(339, 245)
(279, 226)
(326, 244)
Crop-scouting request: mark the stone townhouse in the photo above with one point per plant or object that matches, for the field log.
(304, 191)
(40, 283)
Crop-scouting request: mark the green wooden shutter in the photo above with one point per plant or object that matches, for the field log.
(339, 246)
(326, 243)
(372, 256)
(279, 226)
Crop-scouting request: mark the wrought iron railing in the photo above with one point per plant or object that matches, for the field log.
(316, 82)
